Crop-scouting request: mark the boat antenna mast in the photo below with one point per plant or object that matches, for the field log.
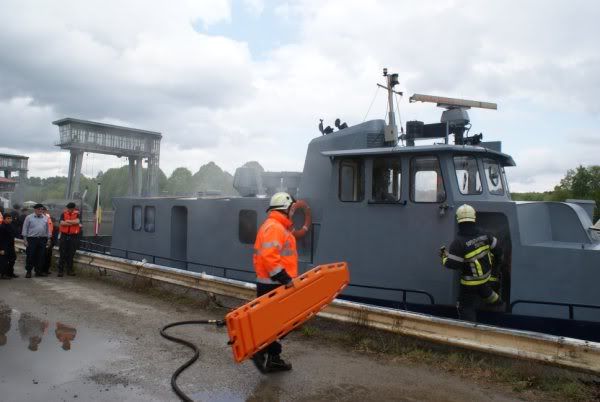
(391, 130)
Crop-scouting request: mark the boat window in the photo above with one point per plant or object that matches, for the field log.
(351, 184)
(247, 227)
(136, 217)
(427, 184)
(149, 215)
(386, 180)
(467, 175)
(494, 176)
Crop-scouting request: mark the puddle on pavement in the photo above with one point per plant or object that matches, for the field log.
(34, 350)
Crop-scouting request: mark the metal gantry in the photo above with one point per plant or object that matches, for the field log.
(79, 136)
(12, 187)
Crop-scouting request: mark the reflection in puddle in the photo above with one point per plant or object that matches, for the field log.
(40, 351)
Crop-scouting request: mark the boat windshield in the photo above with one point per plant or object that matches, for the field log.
(467, 175)
(493, 175)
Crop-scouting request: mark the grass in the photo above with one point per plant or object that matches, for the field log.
(521, 376)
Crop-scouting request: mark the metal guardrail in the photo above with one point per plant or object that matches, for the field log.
(555, 350)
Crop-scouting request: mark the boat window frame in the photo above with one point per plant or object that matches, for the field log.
(476, 159)
(358, 181)
(412, 187)
(149, 227)
(488, 179)
(398, 174)
(135, 227)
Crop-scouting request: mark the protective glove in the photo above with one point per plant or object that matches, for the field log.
(443, 251)
(282, 277)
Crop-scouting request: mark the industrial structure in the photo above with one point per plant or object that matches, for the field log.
(12, 187)
(79, 136)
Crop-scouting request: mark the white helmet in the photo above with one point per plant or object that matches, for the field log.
(281, 202)
(465, 213)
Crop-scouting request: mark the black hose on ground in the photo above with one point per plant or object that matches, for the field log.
(190, 345)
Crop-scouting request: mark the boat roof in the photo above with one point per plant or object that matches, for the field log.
(505, 160)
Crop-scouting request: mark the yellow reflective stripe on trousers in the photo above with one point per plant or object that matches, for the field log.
(493, 298)
(444, 259)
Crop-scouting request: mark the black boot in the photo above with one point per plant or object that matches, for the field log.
(260, 361)
(276, 363)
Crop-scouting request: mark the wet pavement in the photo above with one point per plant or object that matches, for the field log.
(85, 338)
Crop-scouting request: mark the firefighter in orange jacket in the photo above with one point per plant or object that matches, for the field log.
(275, 263)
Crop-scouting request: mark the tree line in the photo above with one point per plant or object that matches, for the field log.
(581, 183)
(115, 183)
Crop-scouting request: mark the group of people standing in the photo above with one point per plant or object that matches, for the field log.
(40, 234)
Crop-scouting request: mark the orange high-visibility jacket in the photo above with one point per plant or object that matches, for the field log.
(275, 249)
(50, 225)
(66, 216)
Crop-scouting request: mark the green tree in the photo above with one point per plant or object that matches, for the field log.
(580, 183)
(255, 165)
(180, 182)
(212, 177)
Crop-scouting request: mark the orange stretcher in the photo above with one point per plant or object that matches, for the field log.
(269, 317)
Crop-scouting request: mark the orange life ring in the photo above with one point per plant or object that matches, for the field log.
(301, 204)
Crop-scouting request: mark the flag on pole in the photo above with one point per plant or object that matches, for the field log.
(97, 212)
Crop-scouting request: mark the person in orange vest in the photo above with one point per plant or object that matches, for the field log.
(276, 263)
(65, 334)
(69, 227)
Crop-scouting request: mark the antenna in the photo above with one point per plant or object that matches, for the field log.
(391, 130)
(449, 103)
(455, 115)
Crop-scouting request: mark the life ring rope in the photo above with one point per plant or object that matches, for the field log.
(302, 205)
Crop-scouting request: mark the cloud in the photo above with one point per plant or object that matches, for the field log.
(213, 99)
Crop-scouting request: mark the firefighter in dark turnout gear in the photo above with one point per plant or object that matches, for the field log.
(476, 255)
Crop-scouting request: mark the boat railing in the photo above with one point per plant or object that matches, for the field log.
(184, 264)
(405, 292)
(136, 255)
(571, 306)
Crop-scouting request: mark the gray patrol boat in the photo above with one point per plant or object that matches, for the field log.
(385, 204)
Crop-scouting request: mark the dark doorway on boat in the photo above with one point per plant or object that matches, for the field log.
(179, 230)
(496, 223)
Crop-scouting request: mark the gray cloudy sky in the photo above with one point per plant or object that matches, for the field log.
(232, 81)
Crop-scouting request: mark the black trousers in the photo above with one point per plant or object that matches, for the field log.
(473, 298)
(273, 349)
(67, 246)
(36, 246)
(10, 263)
(47, 259)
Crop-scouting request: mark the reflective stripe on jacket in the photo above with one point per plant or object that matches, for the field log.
(275, 249)
(473, 255)
(67, 216)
